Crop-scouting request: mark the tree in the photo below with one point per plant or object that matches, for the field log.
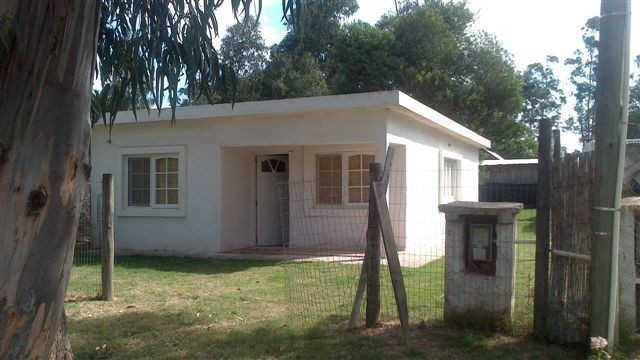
(465, 75)
(363, 59)
(292, 75)
(543, 97)
(319, 24)
(583, 78)
(244, 51)
(49, 50)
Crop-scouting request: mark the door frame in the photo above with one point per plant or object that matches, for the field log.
(256, 171)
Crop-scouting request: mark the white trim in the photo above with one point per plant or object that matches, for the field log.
(509, 162)
(154, 210)
(395, 100)
(345, 179)
(442, 156)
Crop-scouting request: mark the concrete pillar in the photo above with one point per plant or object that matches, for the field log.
(478, 289)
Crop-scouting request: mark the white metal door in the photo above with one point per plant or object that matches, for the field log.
(271, 170)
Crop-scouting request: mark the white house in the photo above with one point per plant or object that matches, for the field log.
(207, 183)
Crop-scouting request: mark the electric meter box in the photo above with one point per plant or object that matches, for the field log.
(480, 260)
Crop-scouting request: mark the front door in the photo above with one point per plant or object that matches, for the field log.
(271, 170)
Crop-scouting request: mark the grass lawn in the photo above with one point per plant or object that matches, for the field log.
(177, 308)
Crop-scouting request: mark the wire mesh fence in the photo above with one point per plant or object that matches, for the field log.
(325, 236)
(86, 270)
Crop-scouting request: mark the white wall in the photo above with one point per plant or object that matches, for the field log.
(417, 186)
(213, 149)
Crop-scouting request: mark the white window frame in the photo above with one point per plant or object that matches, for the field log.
(457, 160)
(154, 153)
(345, 179)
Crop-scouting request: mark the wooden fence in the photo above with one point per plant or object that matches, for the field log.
(569, 277)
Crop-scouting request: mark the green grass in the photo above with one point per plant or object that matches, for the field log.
(176, 308)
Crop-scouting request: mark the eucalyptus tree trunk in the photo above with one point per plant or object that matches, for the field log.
(45, 86)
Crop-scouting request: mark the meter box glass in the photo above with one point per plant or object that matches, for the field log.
(480, 244)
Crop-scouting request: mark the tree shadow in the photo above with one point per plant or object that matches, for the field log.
(150, 335)
(206, 266)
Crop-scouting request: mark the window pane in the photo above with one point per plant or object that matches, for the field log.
(336, 178)
(324, 179)
(366, 160)
(161, 197)
(324, 162)
(365, 194)
(354, 178)
(161, 165)
(161, 181)
(172, 180)
(281, 167)
(354, 162)
(366, 178)
(337, 195)
(354, 195)
(330, 196)
(135, 197)
(172, 196)
(265, 167)
(138, 181)
(337, 162)
(172, 164)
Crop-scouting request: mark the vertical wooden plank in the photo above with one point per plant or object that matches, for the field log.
(543, 228)
(107, 237)
(373, 251)
(392, 256)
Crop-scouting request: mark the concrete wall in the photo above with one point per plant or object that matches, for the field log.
(215, 148)
(415, 188)
(218, 212)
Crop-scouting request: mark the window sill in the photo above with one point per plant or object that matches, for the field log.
(152, 212)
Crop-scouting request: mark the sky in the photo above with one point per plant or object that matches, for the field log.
(529, 29)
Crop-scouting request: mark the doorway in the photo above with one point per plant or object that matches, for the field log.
(270, 224)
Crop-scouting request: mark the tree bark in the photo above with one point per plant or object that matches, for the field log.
(45, 89)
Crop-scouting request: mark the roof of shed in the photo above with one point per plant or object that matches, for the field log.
(392, 100)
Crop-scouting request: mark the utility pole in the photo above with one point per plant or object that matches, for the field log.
(611, 106)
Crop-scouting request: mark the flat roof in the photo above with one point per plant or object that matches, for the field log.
(393, 100)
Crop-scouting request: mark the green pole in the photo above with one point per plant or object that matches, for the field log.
(611, 110)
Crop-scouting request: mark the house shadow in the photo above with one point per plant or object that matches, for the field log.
(151, 335)
(206, 266)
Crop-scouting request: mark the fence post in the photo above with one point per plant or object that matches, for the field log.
(543, 218)
(372, 252)
(610, 131)
(107, 237)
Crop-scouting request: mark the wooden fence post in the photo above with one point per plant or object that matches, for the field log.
(362, 282)
(543, 218)
(393, 260)
(107, 237)
(372, 252)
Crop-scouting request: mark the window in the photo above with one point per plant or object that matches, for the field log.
(342, 179)
(153, 181)
(450, 179)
